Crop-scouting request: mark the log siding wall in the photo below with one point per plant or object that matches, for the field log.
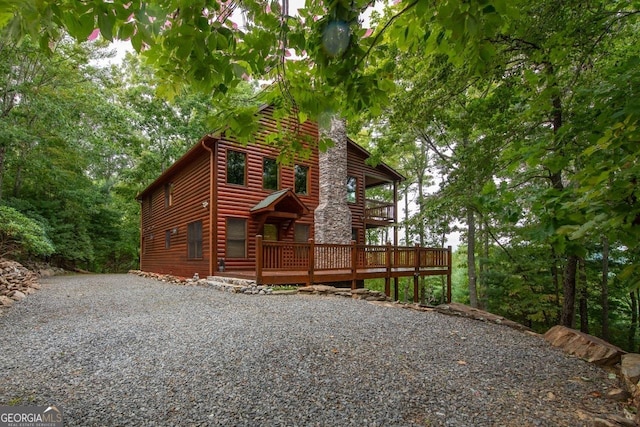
(234, 201)
(190, 178)
(190, 191)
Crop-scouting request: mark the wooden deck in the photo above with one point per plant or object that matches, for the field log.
(280, 263)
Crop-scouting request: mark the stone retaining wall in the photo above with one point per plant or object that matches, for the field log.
(16, 282)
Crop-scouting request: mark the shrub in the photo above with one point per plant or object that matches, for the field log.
(21, 236)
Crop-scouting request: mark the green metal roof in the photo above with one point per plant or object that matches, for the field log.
(270, 199)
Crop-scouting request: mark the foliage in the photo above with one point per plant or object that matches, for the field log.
(521, 118)
(21, 236)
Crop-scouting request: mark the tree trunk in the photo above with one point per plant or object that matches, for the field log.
(556, 280)
(604, 289)
(17, 182)
(634, 320)
(584, 314)
(482, 297)
(638, 297)
(569, 291)
(3, 152)
(471, 257)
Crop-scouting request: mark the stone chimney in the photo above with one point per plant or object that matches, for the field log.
(332, 216)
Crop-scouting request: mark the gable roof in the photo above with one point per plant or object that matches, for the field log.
(280, 200)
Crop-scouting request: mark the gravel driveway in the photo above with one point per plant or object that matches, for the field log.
(125, 350)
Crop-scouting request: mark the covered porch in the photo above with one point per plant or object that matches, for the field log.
(292, 263)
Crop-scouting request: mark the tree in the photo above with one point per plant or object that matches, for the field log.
(22, 236)
(533, 99)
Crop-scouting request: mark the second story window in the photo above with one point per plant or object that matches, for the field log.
(269, 174)
(236, 167)
(150, 204)
(352, 189)
(168, 195)
(301, 179)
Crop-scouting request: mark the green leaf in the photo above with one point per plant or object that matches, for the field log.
(106, 21)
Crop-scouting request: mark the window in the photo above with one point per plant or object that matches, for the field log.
(168, 195)
(236, 167)
(269, 174)
(194, 240)
(236, 238)
(354, 235)
(352, 188)
(301, 233)
(167, 239)
(301, 179)
(270, 232)
(150, 204)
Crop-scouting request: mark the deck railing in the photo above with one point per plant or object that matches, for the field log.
(378, 211)
(353, 261)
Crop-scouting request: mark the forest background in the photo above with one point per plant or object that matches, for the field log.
(523, 115)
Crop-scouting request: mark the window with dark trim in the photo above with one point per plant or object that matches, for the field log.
(301, 179)
(352, 189)
(269, 174)
(150, 204)
(301, 233)
(194, 240)
(236, 167)
(167, 239)
(236, 238)
(168, 195)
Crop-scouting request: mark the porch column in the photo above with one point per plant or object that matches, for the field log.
(332, 216)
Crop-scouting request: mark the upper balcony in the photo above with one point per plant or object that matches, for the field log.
(379, 214)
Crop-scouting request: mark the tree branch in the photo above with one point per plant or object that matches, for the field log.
(387, 25)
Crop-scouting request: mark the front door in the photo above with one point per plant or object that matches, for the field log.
(270, 232)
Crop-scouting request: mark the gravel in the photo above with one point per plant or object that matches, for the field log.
(130, 351)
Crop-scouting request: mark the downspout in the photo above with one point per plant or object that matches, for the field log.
(213, 209)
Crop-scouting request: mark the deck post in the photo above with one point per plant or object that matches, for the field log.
(387, 276)
(259, 259)
(354, 264)
(312, 262)
(449, 274)
(416, 273)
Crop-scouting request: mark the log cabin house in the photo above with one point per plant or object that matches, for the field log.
(230, 209)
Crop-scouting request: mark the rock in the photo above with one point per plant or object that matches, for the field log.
(584, 346)
(306, 289)
(618, 394)
(612, 421)
(5, 301)
(457, 309)
(324, 289)
(47, 272)
(630, 368)
(17, 295)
